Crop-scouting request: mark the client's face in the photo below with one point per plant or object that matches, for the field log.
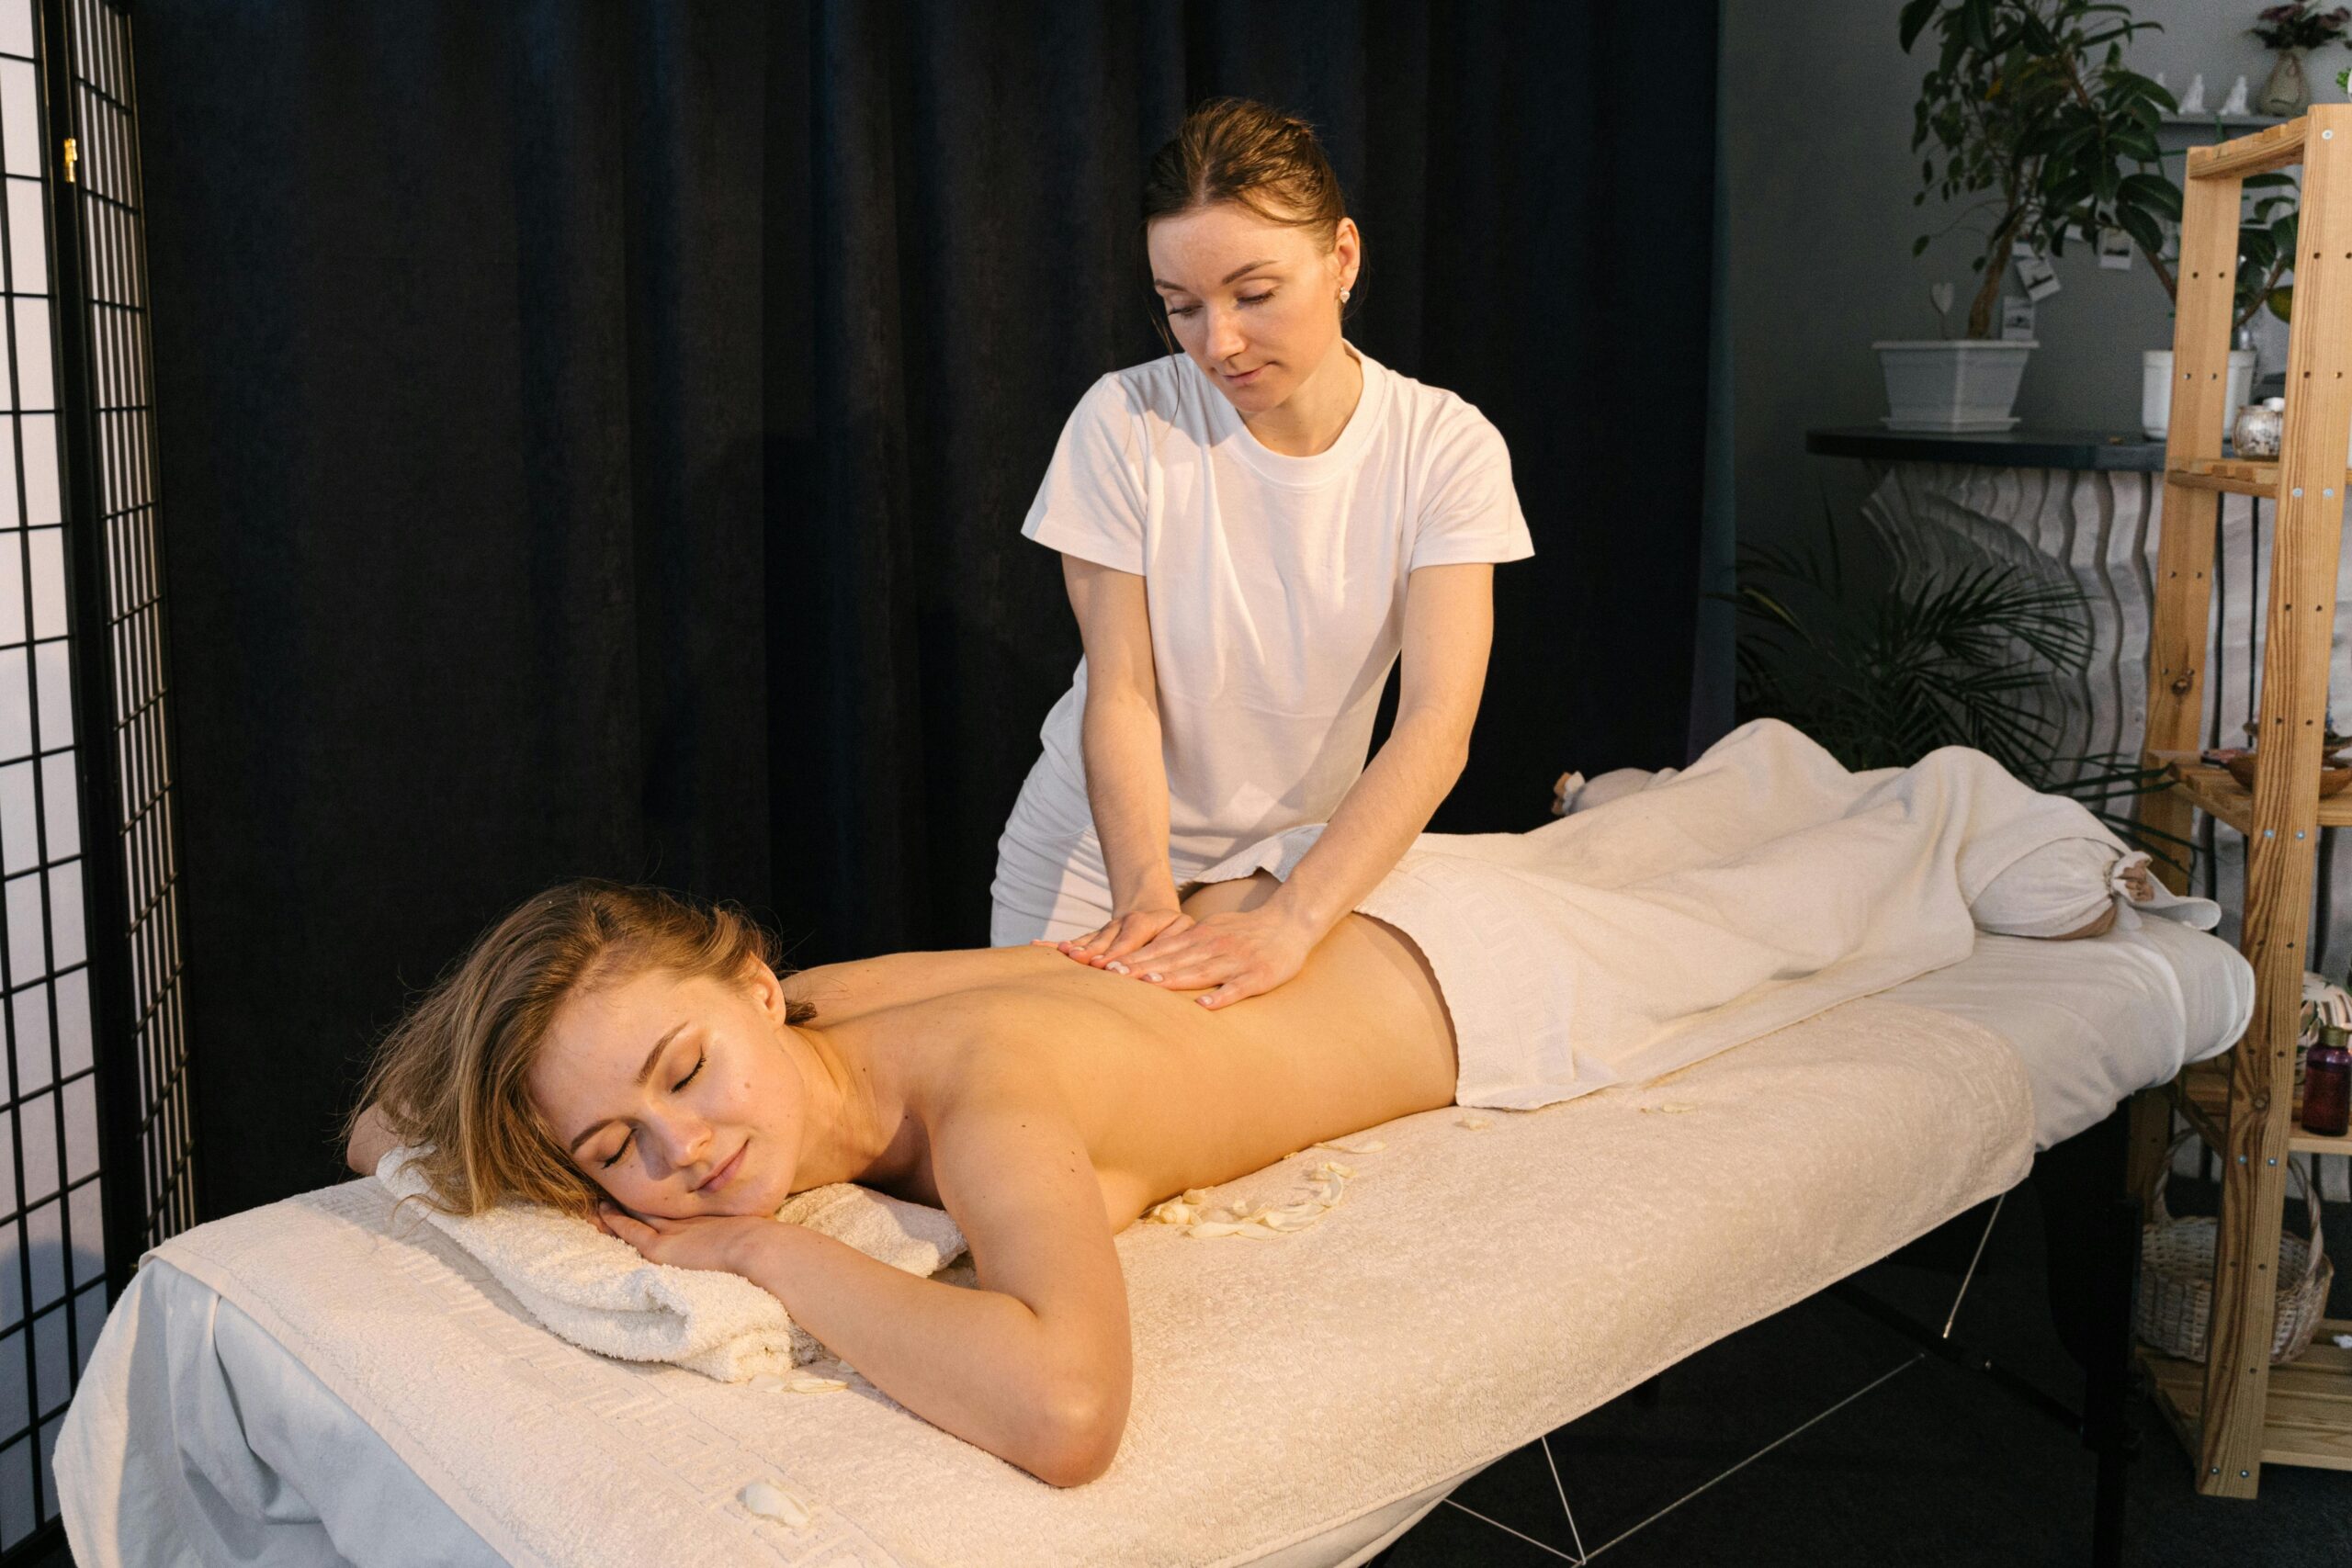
(677, 1096)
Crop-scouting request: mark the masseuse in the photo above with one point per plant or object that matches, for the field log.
(1250, 532)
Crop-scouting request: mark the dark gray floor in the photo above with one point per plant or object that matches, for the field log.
(1934, 1465)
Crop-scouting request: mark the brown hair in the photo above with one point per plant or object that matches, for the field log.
(1235, 149)
(452, 1077)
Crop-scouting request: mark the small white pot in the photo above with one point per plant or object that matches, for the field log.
(2155, 389)
(1954, 384)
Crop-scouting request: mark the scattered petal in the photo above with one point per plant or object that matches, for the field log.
(1671, 1108)
(767, 1383)
(818, 1385)
(1372, 1146)
(770, 1501)
(1263, 1219)
(1475, 1123)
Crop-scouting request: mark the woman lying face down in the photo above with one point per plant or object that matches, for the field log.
(614, 1052)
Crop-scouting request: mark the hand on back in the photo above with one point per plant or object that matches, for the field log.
(1106, 946)
(1227, 956)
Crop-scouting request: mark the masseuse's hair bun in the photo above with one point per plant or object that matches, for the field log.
(1238, 149)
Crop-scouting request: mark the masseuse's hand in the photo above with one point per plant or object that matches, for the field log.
(1108, 946)
(722, 1243)
(1237, 954)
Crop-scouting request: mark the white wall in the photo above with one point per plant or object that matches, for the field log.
(1816, 99)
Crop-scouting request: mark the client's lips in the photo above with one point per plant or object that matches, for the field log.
(725, 1173)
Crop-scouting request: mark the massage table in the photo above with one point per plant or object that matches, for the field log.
(319, 1380)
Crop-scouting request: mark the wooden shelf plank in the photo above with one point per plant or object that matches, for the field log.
(2257, 154)
(2307, 1418)
(2203, 1093)
(2238, 476)
(2219, 795)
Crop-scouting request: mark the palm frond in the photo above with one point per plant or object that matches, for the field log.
(1970, 658)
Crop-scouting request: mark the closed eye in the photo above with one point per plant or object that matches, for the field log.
(1245, 299)
(682, 1083)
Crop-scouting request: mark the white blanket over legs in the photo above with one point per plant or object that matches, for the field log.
(1760, 885)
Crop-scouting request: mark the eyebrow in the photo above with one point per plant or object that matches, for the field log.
(643, 1073)
(1237, 272)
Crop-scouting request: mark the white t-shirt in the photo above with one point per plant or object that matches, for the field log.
(1276, 584)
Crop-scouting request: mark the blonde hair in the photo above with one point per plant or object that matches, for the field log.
(452, 1078)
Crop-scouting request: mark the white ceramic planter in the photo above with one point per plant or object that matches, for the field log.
(2155, 389)
(1956, 384)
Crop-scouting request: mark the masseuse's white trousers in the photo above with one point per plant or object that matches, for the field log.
(1050, 879)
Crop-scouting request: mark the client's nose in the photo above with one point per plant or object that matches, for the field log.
(679, 1148)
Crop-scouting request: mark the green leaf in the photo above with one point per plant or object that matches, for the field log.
(2152, 191)
(1976, 23)
(1916, 13)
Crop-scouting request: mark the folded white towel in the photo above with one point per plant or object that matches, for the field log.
(603, 1295)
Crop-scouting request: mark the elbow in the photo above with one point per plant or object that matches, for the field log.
(371, 1138)
(1113, 701)
(1075, 1433)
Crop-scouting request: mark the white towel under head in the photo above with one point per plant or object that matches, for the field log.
(603, 1295)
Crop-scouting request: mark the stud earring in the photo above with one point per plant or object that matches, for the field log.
(1343, 296)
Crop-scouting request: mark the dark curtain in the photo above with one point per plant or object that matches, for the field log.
(593, 438)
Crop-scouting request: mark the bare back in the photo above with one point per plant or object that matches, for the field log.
(1163, 1093)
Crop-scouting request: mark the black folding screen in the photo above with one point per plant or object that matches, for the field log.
(95, 1143)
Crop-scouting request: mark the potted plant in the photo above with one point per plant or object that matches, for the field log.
(2029, 110)
(2292, 31)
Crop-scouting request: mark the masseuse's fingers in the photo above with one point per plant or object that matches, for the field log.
(1230, 992)
(1094, 942)
(1176, 947)
(1142, 928)
(1192, 967)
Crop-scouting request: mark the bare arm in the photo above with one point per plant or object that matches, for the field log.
(1034, 1366)
(1127, 778)
(1449, 629)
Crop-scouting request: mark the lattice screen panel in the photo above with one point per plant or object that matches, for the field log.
(90, 1000)
(52, 1256)
(122, 468)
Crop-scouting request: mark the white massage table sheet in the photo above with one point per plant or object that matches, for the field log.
(1296, 1400)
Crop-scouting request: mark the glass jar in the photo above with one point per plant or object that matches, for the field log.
(2327, 1084)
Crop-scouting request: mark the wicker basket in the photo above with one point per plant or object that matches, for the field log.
(2176, 1300)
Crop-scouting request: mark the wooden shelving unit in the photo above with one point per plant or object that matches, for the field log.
(2307, 1411)
(2235, 1412)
